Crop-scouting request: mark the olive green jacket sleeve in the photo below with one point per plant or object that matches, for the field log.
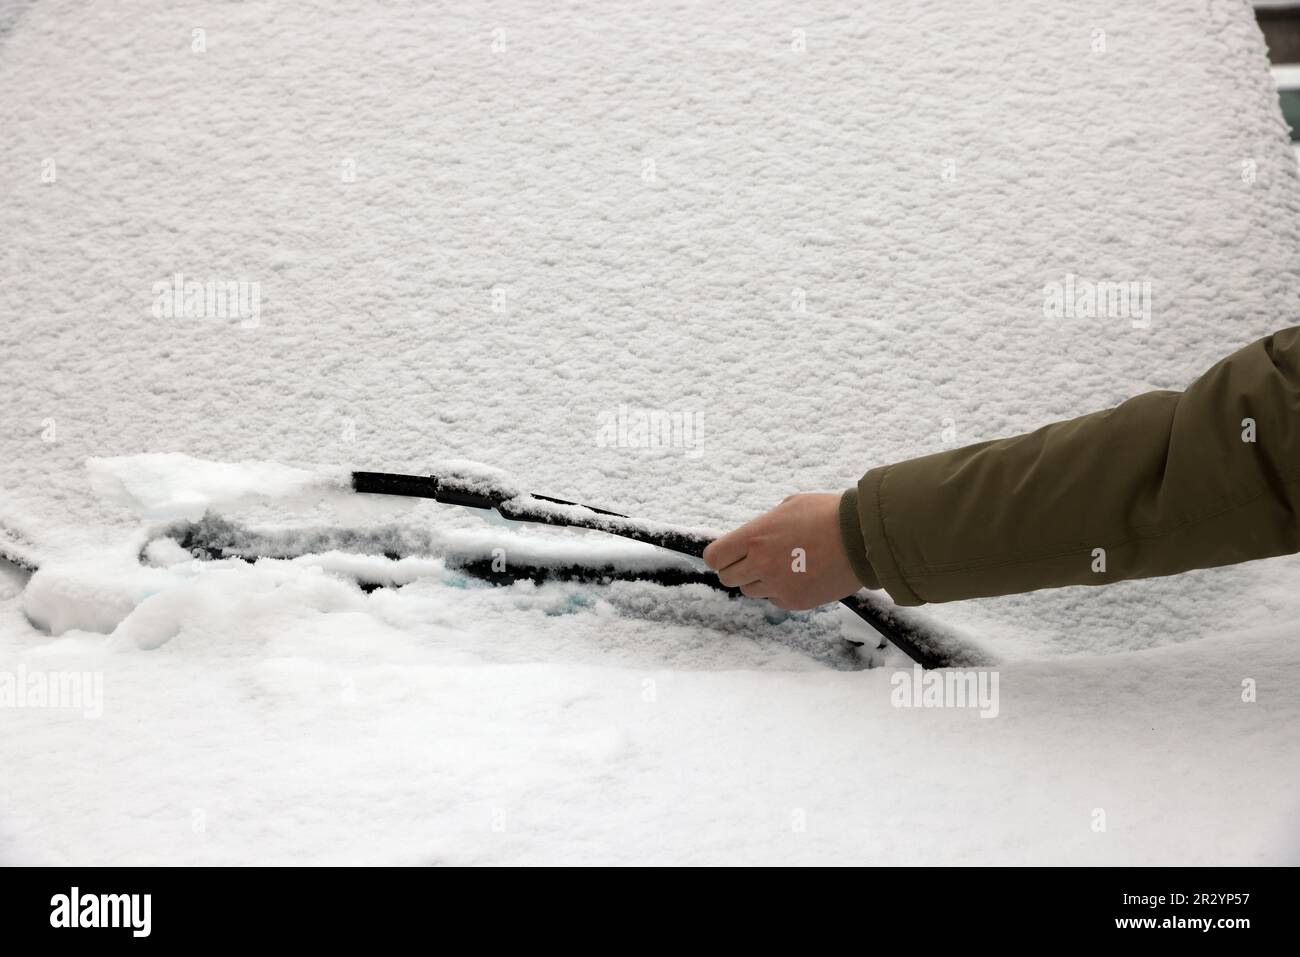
(1166, 482)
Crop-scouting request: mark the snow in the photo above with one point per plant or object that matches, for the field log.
(173, 485)
(821, 260)
(330, 727)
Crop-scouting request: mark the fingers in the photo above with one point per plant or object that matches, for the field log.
(767, 557)
(727, 550)
(739, 573)
(726, 556)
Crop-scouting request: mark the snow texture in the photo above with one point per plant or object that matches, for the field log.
(792, 242)
(173, 485)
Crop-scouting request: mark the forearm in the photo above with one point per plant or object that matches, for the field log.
(1162, 484)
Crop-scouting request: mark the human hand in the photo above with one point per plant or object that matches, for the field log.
(791, 555)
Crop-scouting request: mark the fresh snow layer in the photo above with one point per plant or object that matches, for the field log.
(172, 485)
(514, 255)
(270, 713)
(810, 241)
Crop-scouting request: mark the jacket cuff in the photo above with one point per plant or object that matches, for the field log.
(871, 522)
(854, 545)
